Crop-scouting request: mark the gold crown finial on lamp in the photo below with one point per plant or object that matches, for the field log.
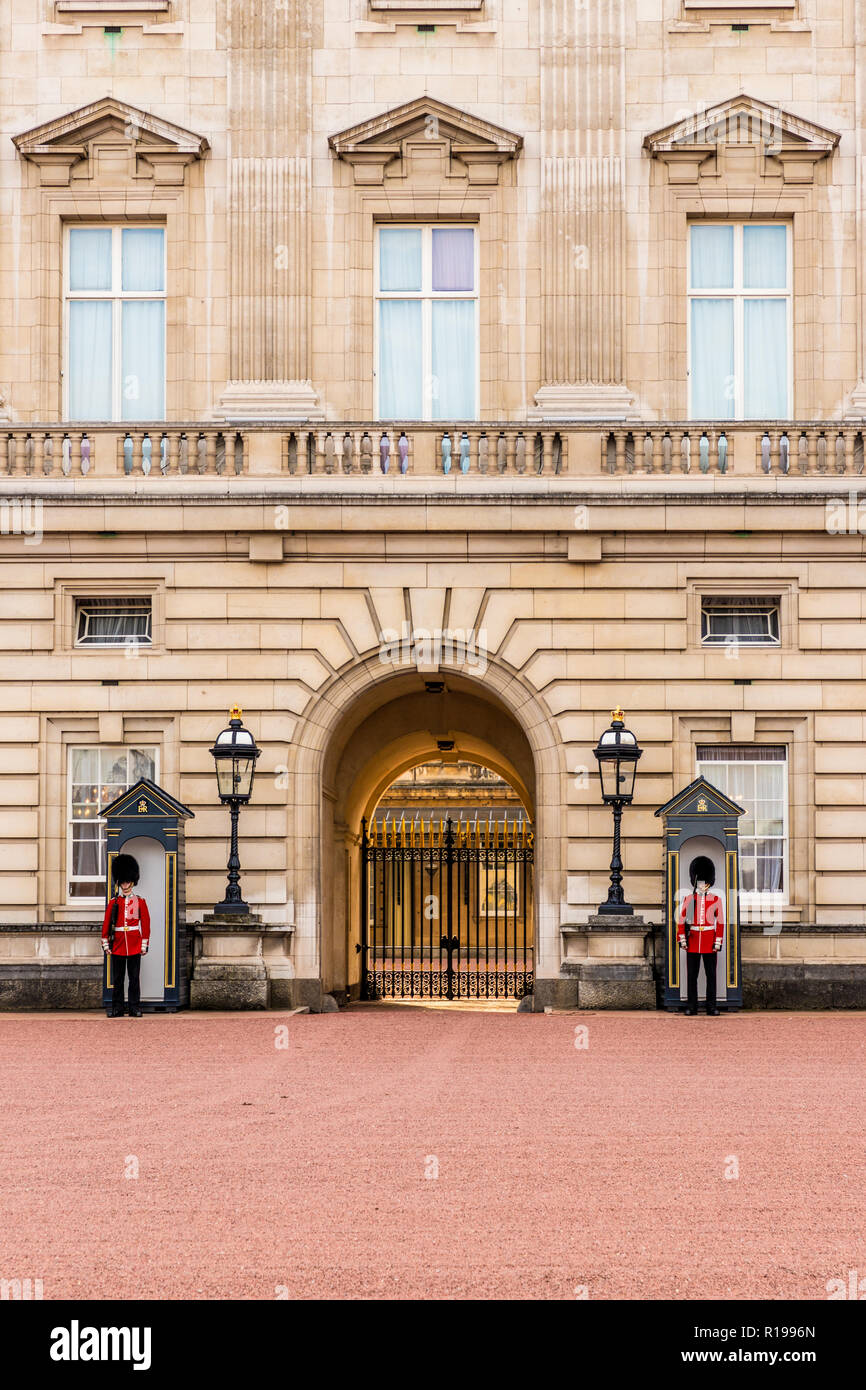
(618, 714)
(236, 712)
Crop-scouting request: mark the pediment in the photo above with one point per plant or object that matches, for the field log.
(426, 130)
(154, 147)
(700, 798)
(691, 146)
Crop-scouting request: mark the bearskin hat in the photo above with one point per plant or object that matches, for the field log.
(124, 869)
(702, 868)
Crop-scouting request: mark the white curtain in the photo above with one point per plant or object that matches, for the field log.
(712, 249)
(453, 359)
(712, 352)
(90, 258)
(143, 349)
(756, 778)
(400, 258)
(453, 258)
(744, 618)
(106, 621)
(400, 359)
(143, 260)
(90, 359)
(765, 257)
(766, 359)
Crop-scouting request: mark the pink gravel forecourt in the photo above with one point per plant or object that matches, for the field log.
(312, 1167)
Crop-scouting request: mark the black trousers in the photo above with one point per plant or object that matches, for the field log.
(693, 965)
(121, 966)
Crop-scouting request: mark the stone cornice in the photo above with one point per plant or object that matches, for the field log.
(475, 147)
(162, 149)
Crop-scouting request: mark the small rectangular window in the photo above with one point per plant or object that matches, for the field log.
(742, 621)
(113, 622)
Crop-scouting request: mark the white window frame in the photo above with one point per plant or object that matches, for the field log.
(739, 295)
(769, 601)
(426, 295)
(755, 897)
(71, 749)
(117, 296)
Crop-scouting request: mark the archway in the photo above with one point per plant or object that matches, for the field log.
(367, 728)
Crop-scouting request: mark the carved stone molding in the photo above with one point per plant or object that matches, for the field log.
(109, 132)
(422, 131)
(742, 129)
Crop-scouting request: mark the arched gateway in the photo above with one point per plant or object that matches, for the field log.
(361, 732)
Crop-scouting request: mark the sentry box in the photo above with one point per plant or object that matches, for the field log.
(149, 824)
(702, 821)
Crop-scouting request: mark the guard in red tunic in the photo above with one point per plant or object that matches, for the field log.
(701, 929)
(126, 934)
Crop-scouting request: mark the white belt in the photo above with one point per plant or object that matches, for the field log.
(135, 928)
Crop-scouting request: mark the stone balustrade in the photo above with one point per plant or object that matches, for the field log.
(576, 449)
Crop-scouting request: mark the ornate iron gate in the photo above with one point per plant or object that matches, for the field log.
(446, 909)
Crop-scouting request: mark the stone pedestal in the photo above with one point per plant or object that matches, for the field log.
(229, 969)
(608, 957)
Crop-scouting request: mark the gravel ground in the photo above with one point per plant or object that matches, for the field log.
(303, 1168)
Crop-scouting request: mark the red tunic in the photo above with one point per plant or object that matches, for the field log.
(708, 920)
(132, 926)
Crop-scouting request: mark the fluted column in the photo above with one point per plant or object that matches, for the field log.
(269, 181)
(583, 209)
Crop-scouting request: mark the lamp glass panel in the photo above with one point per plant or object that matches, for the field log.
(626, 770)
(608, 777)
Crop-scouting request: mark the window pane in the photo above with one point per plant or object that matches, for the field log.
(713, 359)
(400, 359)
(765, 258)
(453, 258)
(90, 359)
(400, 258)
(85, 762)
(712, 258)
(89, 258)
(143, 259)
(87, 850)
(144, 359)
(766, 358)
(141, 764)
(454, 359)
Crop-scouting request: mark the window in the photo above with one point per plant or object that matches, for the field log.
(757, 779)
(427, 323)
(740, 357)
(745, 621)
(97, 776)
(115, 323)
(113, 622)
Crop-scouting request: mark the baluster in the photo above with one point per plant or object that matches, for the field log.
(465, 447)
(230, 446)
(850, 444)
(329, 453)
(12, 468)
(47, 456)
(840, 452)
(37, 462)
(403, 452)
(764, 448)
(619, 457)
(347, 453)
(183, 453)
(385, 451)
(655, 453)
(28, 454)
(784, 454)
(686, 452)
(474, 441)
(66, 455)
(723, 452)
(4, 452)
(201, 453)
(803, 452)
(86, 451)
(667, 452)
(520, 453)
(146, 454)
(210, 440)
(366, 453)
(483, 452)
(704, 453)
(128, 453)
(547, 451)
(774, 448)
(445, 452)
(173, 450)
(822, 452)
(502, 453)
(647, 449)
(218, 446)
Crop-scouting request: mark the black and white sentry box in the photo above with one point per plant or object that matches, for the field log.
(701, 820)
(149, 824)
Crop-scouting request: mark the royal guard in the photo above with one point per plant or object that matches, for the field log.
(701, 929)
(126, 934)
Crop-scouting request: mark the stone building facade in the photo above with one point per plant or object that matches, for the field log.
(422, 372)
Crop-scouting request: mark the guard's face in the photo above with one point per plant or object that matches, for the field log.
(702, 887)
(126, 887)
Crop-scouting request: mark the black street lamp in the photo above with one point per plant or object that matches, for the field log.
(617, 752)
(234, 753)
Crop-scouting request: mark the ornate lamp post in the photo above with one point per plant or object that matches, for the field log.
(617, 752)
(234, 753)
